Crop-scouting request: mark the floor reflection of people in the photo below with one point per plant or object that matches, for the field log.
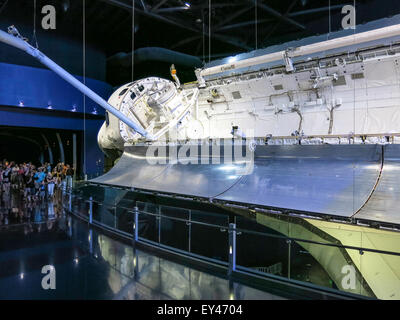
(6, 201)
(50, 210)
(28, 228)
(38, 214)
(28, 210)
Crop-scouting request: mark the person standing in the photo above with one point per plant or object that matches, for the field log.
(50, 185)
(69, 173)
(6, 178)
(30, 185)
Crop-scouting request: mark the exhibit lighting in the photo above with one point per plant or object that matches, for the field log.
(187, 5)
(232, 59)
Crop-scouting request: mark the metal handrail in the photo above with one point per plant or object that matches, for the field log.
(225, 227)
(318, 242)
(258, 233)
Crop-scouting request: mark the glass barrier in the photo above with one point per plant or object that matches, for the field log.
(124, 219)
(211, 218)
(80, 206)
(332, 255)
(97, 209)
(105, 214)
(209, 241)
(384, 240)
(148, 227)
(381, 273)
(327, 266)
(174, 233)
(272, 223)
(263, 253)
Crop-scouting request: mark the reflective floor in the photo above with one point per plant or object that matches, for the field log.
(90, 265)
(319, 260)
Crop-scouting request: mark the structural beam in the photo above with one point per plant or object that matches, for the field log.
(159, 4)
(232, 16)
(51, 160)
(278, 14)
(195, 7)
(315, 10)
(61, 146)
(181, 24)
(243, 24)
(3, 5)
(185, 41)
(271, 30)
(172, 9)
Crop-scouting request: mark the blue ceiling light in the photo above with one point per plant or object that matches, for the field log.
(187, 5)
(94, 111)
(21, 104)
(73, 108)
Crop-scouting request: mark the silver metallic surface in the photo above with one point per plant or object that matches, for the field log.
(132, 170)
(202, 180)
(384, 203)
(327, 179)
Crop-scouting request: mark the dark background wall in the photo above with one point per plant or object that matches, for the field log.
(65, 48)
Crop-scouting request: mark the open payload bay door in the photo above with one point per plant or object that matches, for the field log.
(335, 180)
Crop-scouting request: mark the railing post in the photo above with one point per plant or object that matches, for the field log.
(70, 201)
(91, 210)
(69, 223)
(190, 231)
(115, 214)
(135, 224)
(159, 223)
(232, 248)
(91, 241)
(289, 242)
(231, 290)
(135, 239)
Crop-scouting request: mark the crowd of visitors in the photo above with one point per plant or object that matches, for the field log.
(35, 183)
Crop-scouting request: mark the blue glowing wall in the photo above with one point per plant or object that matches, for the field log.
(59, 106)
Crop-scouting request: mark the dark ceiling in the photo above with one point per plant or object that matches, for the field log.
(173, 24)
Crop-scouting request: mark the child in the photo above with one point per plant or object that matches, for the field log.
(42, 192)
